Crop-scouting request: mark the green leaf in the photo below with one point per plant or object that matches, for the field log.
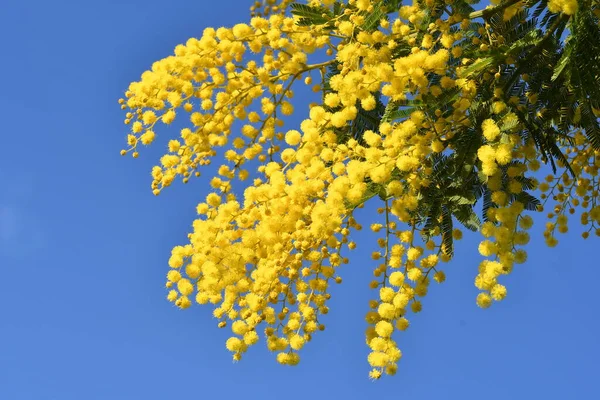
(479, 66)
(372, 18)
(462, 200)
(467, 217)
(446, 228)
(311, 15)
(563, 62)
(398, 114)
(487, 203)
(530, 202)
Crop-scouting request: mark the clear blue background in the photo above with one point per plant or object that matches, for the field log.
(84, 248)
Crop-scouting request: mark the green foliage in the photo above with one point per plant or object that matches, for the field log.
(311, 16)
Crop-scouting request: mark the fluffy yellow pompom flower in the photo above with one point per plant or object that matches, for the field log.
(568, 7)
(498, 292)
(498, 107)
(287, 108)
(363, 5)
(520, 256)
(384, 329)
(439, 276)
(378, 359)
(490, 130)
(386, 310)
(250, 338)
(375, 374)
(526, 222)
(400, 300)
(168, 117)
(149, 117)
(172, 295)
(487, 248)
(457, 234)
(233, 344)
(486, 154)
(239, 327)
(413, 253)
(368, 103)
(147, 137)
(396, 278)
(193, 271)
(173, 275)
(185, 287)
(416, 306)
(504, 153)
(297, 342)
(484, 300)
(386, 294)
(402, 324)
(414, 274)
(137, 127)
(293, 137)
(213, 199)
(378, 344)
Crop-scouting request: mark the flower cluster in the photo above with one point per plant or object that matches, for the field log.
(568, 7)
(265, 258)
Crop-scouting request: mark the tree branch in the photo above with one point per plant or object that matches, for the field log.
(536, 49)
(487, 12)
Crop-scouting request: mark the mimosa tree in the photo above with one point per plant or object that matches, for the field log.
(440, 115)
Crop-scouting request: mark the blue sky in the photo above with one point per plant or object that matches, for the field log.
(84, 248)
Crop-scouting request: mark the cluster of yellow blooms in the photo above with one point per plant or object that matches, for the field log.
(267, 7)
(568, 7)
(269, 256)
(582, 192)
